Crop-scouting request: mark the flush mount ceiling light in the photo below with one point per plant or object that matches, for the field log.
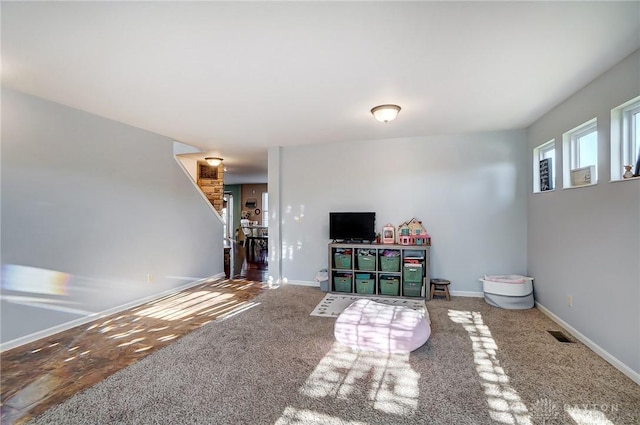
(214, 161)
(385, 113)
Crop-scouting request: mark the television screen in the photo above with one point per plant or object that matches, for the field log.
(352, 226)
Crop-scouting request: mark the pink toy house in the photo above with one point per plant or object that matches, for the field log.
(413, 233)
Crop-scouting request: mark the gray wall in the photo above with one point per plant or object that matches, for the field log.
(99, 205)
(468, 190)
(585, 242)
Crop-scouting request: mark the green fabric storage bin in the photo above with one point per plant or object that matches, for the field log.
(390, 264)
(413, 273)
(343, 261)
(412, 289)
(365, 286)
(342, 283)
(366, 262)
(389, 286)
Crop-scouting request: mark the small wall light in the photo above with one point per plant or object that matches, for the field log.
(385, 113)
(214, 161)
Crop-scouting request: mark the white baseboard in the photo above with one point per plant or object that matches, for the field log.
(94, 316)
(304, 283)
(473, 294)
(633, 375)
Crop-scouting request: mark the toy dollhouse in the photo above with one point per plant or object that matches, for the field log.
(413, 233)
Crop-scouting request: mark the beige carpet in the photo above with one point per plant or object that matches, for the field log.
(275, 364)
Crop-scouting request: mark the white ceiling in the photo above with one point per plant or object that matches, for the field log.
(233, 78)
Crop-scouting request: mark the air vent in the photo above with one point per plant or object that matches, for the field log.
(559, 336)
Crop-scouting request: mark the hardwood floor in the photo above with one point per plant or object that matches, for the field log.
(39, 375)
(257, 270)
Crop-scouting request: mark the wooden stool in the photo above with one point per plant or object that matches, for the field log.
(440, 287)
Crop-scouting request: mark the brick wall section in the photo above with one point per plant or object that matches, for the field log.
(213, 189)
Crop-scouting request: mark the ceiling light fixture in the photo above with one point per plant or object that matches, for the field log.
(214, 161)
(385, 113)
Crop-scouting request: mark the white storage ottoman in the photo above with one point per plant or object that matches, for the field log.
(513, 292)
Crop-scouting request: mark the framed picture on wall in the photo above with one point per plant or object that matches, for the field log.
(206, 171)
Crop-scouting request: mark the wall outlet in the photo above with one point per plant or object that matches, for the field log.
(149, 277)
(570, 300)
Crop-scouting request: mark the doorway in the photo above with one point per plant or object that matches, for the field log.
(227, 234)
(227, 216)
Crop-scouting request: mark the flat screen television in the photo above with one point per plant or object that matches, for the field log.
(352, 226)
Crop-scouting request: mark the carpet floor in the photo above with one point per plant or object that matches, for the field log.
(275, 364)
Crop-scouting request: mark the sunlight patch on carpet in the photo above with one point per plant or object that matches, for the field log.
(392, 385)
(292, 416)
(505, 405)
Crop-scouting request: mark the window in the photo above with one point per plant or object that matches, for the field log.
(265, 209)
(625, 138)
(580, 152)
(544, 164)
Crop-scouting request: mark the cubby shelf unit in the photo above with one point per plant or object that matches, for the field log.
(368, 269)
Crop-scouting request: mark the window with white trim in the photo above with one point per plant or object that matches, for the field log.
(625, 139)
(580, 155)
(544, 167)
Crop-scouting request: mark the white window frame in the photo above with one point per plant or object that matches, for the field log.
(624, 145)
(571, 151)
(575, 146)
(539, 153)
